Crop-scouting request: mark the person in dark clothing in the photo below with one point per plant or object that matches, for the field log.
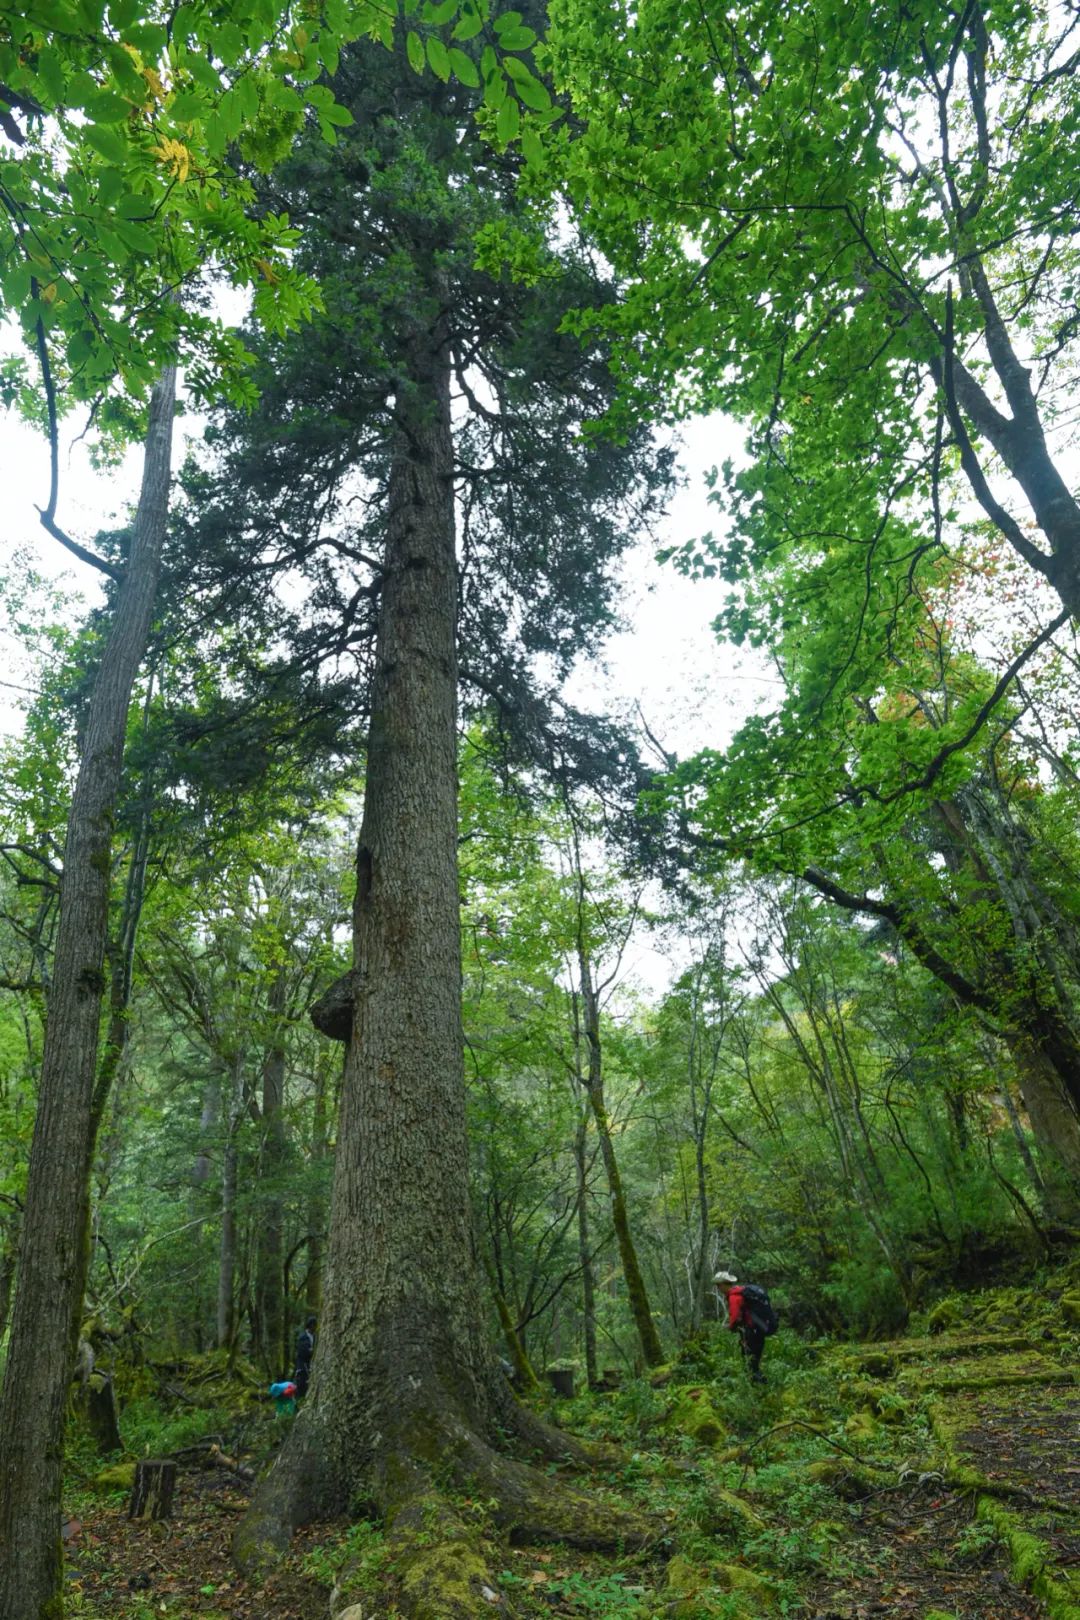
(741, 1321)
(305, 1349)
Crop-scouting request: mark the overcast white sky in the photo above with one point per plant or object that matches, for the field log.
(692, 690)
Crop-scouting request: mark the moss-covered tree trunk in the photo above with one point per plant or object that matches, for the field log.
(54, 1233)
(1055, 1127)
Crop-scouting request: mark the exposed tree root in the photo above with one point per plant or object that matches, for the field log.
(296, 1491)
(444, 1564)
(532, 1508)
(443, 1568)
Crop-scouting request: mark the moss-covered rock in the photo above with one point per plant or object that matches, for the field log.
(698, 1593)
(759, 1593)
(728, 1514)
(947, 1316)
(843, 1476)
(861, 1425)
(692, 1413)
(687, 1585)
(120, 1477)
(1070, 1308)
(877, 1364)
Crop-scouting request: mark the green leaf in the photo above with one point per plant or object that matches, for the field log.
(337, 114)
(532, 147)
(230, 114)
(509, 121)
(203, 72)
(508, 19)
(438, 58)
(229, 44)
(464, 68)
(106, 108)
(51, 73)
(111, 187)
(517, 39)
(135, 237)
(437, 16)
(108, 144)
(468, 26)
(414, 50)
(17, 284)
(188, 107)
(530, 90)
(495, 90)
(246, 91)
(149, 38)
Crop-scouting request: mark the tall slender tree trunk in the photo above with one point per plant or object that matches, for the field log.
(270, 1303)
(637, 1294)
(55, 1232)
(226, 1293)
(581, 1171)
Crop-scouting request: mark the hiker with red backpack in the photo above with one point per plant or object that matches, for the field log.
(751, 1316)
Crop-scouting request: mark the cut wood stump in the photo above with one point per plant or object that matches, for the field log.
(562, 1381)
(152, 1493)
(101, 1417)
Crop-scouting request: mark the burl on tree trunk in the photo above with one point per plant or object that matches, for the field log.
(408, 1407)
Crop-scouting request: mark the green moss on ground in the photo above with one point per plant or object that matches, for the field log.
(1032, 1561)
(120, 1477)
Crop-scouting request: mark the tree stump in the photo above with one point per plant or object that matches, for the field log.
(152, 1493)
(562, 1381)
(101, 1417)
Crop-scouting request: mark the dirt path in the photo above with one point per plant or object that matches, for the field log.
(1008, 1416)
(182, 1566)
(919, 1550)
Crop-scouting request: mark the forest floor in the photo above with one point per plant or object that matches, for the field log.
(932, 1477)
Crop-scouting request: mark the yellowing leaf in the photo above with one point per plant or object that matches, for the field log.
(175, 156)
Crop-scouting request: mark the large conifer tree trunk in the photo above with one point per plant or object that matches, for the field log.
(406, 1393)
(402, 1304)
(52, 1253)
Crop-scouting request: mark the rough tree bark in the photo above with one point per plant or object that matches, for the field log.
(54, 1233)
(1054, 1125)
(406, 1396)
